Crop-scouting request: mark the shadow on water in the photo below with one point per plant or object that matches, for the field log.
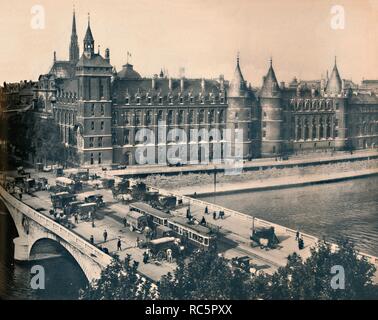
(64, 277)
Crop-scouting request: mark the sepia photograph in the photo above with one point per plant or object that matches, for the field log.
(189, 150)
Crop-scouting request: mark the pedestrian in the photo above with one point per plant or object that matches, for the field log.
(206, 210)
(93, 224)
(20, 196)
(137, 242)
(76, 216)
(145, 257)
(105, 235)
(119, 244)
(203, 221)
(221, 214)
(215, 215)
(188, 215)
(125, 222)
(91, 239)
(169, 255)
(297, 236)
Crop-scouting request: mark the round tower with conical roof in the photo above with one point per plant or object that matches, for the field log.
(272, 116)
(239, 114)
(335, 92)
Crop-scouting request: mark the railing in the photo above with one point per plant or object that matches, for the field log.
(282, 229)
(76, 241)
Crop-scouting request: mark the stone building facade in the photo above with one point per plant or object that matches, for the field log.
(100, 112)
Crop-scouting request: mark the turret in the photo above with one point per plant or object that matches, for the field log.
(272, 128)
(239, 113)
(88, 41)
(334, 85)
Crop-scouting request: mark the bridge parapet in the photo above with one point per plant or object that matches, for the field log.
(87, 255)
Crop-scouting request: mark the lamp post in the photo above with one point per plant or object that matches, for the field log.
(215, 183)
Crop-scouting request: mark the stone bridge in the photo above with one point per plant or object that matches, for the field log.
(33, 226)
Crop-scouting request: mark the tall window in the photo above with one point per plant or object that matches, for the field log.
(99, 142)
(102, 125)
(91, 142)
(92, 158)
(170, 117)
(92, 125)
(102, 110)
(92, 109)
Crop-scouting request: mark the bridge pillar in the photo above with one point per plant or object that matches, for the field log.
(21, 249)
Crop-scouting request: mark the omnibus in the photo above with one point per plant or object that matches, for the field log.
(69, 184)
(157, 217)
(198, 235)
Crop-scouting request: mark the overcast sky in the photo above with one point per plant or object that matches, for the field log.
(203, 36)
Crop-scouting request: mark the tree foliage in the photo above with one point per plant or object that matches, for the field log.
(312, 278)
(119, 281)
(205, 276)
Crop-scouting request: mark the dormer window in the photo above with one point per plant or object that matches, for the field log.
(170, 100)
(181, 100)
(222, 100)
(92, 109)
(102, 110)
(149, 100)
(160, 100)
(138, 100)
(191, 100)
(127, 100)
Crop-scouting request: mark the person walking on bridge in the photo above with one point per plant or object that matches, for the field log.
(105, 235)
(119, 244)
(91, 239)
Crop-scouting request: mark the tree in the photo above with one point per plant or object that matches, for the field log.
(312, 278)
(46, 141)
(119, 281)
(205, 276)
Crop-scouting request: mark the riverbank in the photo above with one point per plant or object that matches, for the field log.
(203, 184)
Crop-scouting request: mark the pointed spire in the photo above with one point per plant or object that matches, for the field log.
(237, 85)
(74, 45)
(334, 84)
(88, 40)
(73, 22)
(270, 86)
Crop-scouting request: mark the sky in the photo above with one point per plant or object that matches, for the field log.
(202, 36)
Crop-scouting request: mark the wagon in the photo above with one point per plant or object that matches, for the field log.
(136, 221)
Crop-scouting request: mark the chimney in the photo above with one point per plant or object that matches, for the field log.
(54, 56)
(153, 82)
(107, 55)
(182, 84)
(203, 84)
(170, 84)
(221, 81)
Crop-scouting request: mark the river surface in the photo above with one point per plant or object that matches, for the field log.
(345, 209)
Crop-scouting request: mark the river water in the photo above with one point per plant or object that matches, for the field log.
(345, 209)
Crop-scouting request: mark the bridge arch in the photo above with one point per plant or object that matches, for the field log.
(33, 226)
(47, 248)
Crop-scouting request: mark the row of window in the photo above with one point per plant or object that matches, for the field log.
(171, 100)
(126, 118)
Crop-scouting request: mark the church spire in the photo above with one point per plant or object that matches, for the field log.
(74, 45)
(88, 40)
